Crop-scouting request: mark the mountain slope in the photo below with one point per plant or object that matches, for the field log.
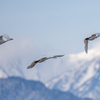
(82, 76)
(15, 88)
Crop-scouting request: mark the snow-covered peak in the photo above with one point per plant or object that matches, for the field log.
(81, 76)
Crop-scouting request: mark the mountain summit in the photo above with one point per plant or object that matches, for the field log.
(82, 75)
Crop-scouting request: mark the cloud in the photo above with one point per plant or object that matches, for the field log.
(16, 55)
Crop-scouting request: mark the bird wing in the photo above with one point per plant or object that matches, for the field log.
(33, 64)
(6, 36)
(86, 45)
(98, 34)
(43, 59)
(1, 39)
(93, 35)
(58, 56)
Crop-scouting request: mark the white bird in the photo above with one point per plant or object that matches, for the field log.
(42, 60)
(6, 37)
(92, 37)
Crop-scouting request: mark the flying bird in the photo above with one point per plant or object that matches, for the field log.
(92, 37)
(42, 60)
(6, 37)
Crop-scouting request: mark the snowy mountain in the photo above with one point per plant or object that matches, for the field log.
(82, 76)
(77, 73)
(15, 88)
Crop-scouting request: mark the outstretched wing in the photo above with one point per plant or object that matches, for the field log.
(6, 36)
(98, 34)
(33, 64)
(58, 56)
(86, 45)
(43, 59)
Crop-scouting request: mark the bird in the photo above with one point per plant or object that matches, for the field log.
(92, 37)
(6, 36)
(42, 60)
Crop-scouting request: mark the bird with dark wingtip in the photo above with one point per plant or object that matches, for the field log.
(42, 60)
(92, 37)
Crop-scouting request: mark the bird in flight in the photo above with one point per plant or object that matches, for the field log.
(92, 37)
(42, 60)
(6, 37)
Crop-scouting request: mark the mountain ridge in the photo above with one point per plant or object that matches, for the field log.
(81, 78)
(16, 88)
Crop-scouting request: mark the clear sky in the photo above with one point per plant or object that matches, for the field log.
(59, 25)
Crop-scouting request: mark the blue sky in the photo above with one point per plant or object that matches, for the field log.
(59, 25)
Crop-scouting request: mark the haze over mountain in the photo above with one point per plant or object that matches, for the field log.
(77, 73)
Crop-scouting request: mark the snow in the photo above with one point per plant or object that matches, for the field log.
(82, 73)
(2, 74)
(88, 75)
